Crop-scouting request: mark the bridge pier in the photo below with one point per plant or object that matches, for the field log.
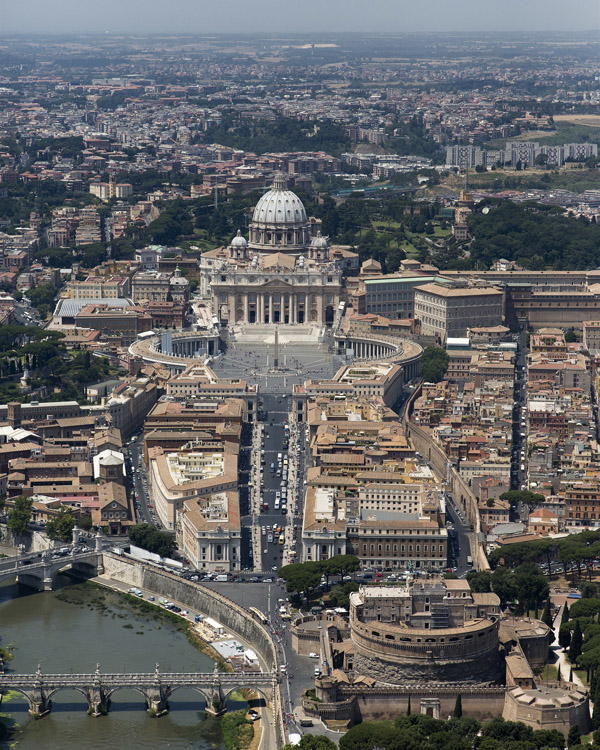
(156, 702)
(215, 699)
(47, 584)
(216, 705)
(98, 702)
(39, 703)
(156, 697)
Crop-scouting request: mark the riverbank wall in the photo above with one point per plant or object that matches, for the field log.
(34, 542)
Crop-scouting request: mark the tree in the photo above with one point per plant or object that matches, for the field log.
(574, 736)
(340, 565)
(339, 596)
(503, 584)
(565, 614)
(151, 539)
(434, 363)
(408, 707)
(313, 742)
(547, 614)
(596, 711)
(301, 578)
(480, 581)
(571, 336)
(576, 642)
(522, 496)
(564, 636)
(43, 294)
(532, 586)
(458, 707)
(60, 528)
(19, 518)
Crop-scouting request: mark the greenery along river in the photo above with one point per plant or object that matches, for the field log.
(76, 627)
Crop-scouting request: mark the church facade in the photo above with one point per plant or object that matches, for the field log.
(286, 273)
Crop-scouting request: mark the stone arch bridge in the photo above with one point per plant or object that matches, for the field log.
(39, 569)
(155, 687)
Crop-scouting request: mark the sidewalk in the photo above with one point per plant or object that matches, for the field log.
(562, 662)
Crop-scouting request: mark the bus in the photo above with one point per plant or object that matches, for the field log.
(469, 561)
(259, 615)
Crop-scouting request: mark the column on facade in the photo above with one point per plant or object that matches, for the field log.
(232, 309)
(321, 307)
(260, 302)
(270, 308)
(246, 309)
(293, 308)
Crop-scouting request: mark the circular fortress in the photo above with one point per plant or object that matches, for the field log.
(426, 631)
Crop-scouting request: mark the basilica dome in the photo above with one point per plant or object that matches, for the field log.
(279, 206)
(239, 241)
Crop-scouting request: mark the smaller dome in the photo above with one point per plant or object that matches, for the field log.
(177, 279)
(239, 240)
(319, 241)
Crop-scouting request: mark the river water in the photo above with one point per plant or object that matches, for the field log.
(72, 629)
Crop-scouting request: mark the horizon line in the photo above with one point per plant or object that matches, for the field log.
(486, 31)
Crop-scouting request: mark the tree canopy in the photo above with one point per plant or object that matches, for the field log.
(434, 363)
(421, 732)
(19, 517)
(303, 578)
(534, 236)
(150, 538)
(60, 528)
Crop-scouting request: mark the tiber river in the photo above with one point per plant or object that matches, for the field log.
(72, 629)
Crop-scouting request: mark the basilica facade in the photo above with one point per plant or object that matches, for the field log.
(285, 273)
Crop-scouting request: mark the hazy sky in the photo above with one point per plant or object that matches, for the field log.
(204, 16)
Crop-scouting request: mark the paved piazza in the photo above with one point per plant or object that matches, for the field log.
(303, 354)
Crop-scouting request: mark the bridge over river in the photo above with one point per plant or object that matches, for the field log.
(155, 687)
(39, 569)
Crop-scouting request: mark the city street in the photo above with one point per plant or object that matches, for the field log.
(137, 473)
(297, 362)
(520, 421)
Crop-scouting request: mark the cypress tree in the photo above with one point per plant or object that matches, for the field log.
(408, 706)
(576, 641)
(564, 636)
(596, 711)
(458, 707)
(565, 614)
(547, 615)
(571, 675)
(558, 675)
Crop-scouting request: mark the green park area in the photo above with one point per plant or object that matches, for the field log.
(564, 132)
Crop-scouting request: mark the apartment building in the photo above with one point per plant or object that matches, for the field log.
(209, 532)
(188, 474)
(99, 287)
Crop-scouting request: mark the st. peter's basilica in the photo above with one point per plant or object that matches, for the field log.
(285, 273)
